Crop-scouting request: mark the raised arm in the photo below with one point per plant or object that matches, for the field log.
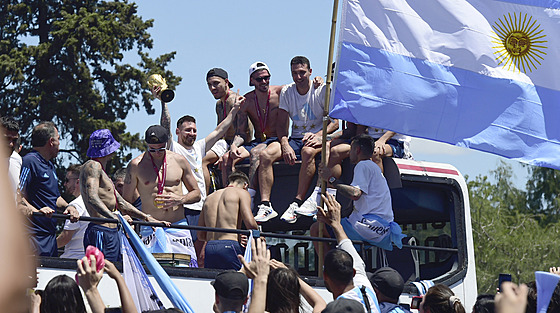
(222, 128)
(165, 119)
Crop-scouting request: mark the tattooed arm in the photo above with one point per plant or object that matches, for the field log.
(89, 184)
(165, 119)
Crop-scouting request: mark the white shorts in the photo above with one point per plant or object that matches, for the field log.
(220, 147)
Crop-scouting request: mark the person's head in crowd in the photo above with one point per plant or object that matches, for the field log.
(102, 144)
(186, 130)
(361, 148)
(484, 304)
(259, 76)
(170, 310)
(388, 284)
(11, 133)
(239, 179)
(282, 291)
(440, 299)
(72, 180)
(338, 271)
(156, 137)
(45, 139)
(231, 291)
(343, 305)
(118, 179)
(553, 306)
(218, 82)
(62, 294)
(301, 71)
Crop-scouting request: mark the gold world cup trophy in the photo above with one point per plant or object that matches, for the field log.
(166, 95)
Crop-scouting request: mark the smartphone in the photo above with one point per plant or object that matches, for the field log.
(502, 278)
(416, 300)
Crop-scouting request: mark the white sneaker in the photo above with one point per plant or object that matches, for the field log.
(289, 216)
(308, 208)
(265, 213)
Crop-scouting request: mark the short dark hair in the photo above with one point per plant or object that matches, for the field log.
(231, 304)
(365, 142)
(74, 168)
(186, 118)
(238, 176)
(484, 303)
(300, 60)
(339, 265)
(42, 133)
(10, 123)
(120, 173)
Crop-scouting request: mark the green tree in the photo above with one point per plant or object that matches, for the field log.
(508, 239)
(64, 61)
(543, 189)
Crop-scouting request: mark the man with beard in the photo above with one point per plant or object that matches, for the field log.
(220, 87)
(194, 150)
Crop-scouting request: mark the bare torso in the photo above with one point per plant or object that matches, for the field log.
(250, 109)
(221, 113)
(222, 210)
(91, 173)
(148, 188)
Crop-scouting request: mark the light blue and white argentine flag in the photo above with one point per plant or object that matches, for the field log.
(483, 74)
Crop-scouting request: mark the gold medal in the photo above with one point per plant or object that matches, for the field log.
(263, 137)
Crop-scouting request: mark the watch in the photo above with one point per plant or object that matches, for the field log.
(332, 179)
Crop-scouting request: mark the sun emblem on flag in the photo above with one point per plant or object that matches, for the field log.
(519, 42)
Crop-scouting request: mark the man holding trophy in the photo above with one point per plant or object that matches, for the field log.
(193, 150)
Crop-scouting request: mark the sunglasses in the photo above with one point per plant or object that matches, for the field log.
(153, 150)
(260, 79)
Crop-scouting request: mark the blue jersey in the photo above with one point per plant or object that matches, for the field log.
(387, 307)
(39, 185)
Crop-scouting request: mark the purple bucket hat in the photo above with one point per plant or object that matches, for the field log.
(102, 143)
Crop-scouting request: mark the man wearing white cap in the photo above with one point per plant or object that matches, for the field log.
(101, 198)
(261, 107)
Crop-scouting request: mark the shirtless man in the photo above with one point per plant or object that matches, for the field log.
(261, 106)
(101, 198)
(194, 150)
(226, 208)
(157, 175)
(220, 87)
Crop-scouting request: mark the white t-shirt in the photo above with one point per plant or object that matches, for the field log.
(306, 111)
(74, 249)
(14, 169)
(376, 198)
(194, 156)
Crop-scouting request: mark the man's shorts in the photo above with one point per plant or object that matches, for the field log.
(257, 142)
(220, 147)
(397, 147)
(192, 217)
(44, 244)
(222, 254)
(296, 144)
(105, 239)
(169, 240)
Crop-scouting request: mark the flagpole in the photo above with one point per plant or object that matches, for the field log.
(325, 124)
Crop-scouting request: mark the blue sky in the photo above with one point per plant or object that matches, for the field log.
(233, 35)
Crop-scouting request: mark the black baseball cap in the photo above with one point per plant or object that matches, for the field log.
(156, 134)
(231, 285)
(220, 72)
(388, 281)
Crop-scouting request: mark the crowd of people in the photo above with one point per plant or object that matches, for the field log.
(169, 184)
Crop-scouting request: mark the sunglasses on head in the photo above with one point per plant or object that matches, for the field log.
(260, 79)
(156, 149)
